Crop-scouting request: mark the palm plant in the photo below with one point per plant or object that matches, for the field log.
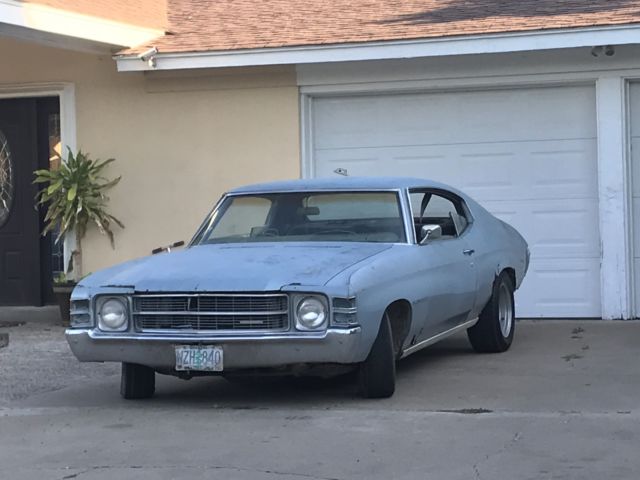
(74, 196)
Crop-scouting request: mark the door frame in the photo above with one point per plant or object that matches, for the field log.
(65, 91)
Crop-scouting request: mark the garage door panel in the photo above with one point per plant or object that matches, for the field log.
(462, 117)
(475, 161)
(567, 233)
(527, 172)
(568, 170)
(571, 232)
(560, 288)
(514, 170)
(528, 156)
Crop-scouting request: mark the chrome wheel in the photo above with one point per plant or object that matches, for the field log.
(505, 310)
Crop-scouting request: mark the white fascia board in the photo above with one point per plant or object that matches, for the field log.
(55, 21)
(436, 47)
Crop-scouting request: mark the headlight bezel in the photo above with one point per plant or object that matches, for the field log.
(297, 303)
(101, 301)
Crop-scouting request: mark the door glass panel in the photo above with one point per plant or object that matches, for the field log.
(6, 180)
(430, 208)
(55, 157)
(55, 147)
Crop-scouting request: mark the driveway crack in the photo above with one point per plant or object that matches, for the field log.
(507, 445)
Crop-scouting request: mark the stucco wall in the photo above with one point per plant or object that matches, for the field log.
(147, 13)
(179, 141)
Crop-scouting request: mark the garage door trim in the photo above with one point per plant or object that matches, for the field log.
(308, 101)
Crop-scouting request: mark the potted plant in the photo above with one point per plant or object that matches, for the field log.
(74, 197)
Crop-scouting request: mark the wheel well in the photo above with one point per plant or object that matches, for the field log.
(512, 275)
(400, 319)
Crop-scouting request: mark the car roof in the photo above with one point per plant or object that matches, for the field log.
(343, 183)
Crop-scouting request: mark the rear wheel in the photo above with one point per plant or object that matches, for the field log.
(377, 374)
(137, 381)
(496, 326)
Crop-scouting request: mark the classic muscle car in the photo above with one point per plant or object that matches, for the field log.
(306, 277)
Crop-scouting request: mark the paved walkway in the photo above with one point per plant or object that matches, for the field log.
(43, 315)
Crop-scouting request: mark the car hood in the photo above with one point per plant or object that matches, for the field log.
(228, 268)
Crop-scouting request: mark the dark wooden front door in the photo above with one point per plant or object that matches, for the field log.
(20, 245)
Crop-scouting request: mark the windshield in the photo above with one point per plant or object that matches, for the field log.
(306, 217)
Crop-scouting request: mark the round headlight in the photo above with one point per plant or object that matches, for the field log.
(113, 314)
(311, 313)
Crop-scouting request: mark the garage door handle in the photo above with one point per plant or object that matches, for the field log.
(468, 251)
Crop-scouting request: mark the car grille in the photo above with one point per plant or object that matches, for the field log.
(211, 312)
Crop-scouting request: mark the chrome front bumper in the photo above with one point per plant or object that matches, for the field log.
(158, 351)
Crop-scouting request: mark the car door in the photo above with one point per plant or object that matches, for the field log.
(447, 274)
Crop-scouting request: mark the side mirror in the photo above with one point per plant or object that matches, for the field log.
(429, 232)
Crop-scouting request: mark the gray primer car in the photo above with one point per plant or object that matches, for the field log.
(308, 277)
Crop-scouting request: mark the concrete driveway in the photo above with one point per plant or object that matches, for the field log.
(563, 403)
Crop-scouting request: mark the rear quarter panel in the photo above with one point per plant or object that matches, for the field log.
(497, 246)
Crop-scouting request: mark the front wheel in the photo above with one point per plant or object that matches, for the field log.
(137, 381)
(495, 328)
(377, 374)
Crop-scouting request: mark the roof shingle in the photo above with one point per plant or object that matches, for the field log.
(203, 25)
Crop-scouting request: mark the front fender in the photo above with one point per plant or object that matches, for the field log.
(376, 284)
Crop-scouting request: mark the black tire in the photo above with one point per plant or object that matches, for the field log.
(137, 381)
(487, 335)
(377, 374)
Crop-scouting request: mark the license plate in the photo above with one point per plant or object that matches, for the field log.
(201, 358)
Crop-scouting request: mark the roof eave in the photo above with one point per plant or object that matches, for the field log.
(54, 26)
(430, 47)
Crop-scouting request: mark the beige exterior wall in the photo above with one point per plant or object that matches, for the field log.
(146, 13)
(179, 141)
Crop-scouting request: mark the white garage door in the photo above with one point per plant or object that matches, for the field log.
(527, 155)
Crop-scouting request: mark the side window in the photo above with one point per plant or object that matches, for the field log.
(429, 208)
(439, 207)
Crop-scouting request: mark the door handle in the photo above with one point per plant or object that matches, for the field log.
(469, 251)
